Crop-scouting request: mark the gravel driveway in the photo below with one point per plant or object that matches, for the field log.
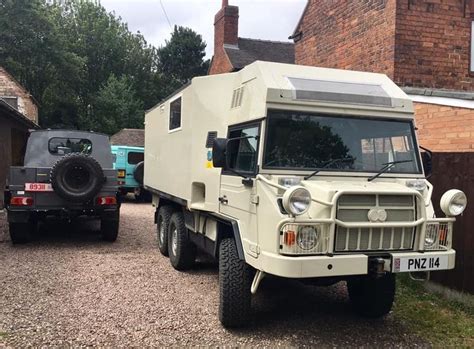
(68, 288)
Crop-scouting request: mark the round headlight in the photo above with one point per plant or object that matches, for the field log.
(296, 200)
(453, 202)
(307, 238)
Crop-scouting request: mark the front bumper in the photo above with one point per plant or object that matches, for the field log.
(338, 265)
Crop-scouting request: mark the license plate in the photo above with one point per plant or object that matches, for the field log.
(407, 264)
(38, 187)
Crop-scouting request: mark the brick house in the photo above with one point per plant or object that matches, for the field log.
(232, 53)
(425, 46)
(12, 92)
(18, 114)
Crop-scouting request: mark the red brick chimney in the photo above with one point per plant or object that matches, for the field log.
(226, 26)
(226, 32)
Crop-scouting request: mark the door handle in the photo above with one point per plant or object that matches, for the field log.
(223, 200)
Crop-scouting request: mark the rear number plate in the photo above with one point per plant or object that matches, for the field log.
(405, 264)
(38, 187)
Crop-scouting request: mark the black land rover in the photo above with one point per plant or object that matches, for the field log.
(66, 174)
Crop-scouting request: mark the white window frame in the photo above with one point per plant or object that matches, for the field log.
(471, 56)
(181, 115)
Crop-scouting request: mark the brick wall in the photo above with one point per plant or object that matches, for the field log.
(226, 28)
(220, 63)
(433, 44)
(9, 87)
(445, 129)
(420, 43)
(355, 35)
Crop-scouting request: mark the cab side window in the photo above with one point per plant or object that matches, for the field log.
(243, 148)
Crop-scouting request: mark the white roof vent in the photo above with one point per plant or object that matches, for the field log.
(340, 92)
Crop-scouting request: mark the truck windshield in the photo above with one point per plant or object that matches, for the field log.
(303, 141)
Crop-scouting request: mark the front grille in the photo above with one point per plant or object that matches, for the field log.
(374, 239)
(356, 208)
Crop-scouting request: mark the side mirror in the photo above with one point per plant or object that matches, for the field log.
(427, 159)
(219, 149)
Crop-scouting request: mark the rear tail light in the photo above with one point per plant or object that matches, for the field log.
(21, 201)
(121, 173)
(106, 200)
(121, 182)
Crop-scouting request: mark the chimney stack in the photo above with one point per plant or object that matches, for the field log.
(226, 26)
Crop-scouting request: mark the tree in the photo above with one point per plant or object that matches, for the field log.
(69, 53)
(182, 58)
(115, 107)
(35, 51)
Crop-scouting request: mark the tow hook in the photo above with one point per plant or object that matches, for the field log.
(377, 267)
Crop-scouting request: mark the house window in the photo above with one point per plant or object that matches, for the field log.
(12, 101)
(471, 66)
(175, 114)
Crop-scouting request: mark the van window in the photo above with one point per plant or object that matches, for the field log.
(62, 146)
(242, 148)
(134, 157)
(175, 114)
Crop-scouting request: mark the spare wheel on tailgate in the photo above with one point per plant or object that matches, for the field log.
(77, 177)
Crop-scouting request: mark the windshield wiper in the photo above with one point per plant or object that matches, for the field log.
(326, 165)
(387, 166)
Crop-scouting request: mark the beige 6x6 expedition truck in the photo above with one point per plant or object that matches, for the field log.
(296, 172)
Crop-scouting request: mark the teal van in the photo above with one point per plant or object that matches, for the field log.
(128, 161)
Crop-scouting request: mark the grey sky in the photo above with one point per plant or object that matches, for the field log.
(259, 19)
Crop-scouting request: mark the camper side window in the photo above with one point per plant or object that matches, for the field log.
(242, 148)
(175, 114)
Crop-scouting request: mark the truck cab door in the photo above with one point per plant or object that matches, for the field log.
(237, 200)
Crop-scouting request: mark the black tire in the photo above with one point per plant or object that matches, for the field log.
(372, 297)
(77, 177)
(162, 224)
(21, 233)
(235, 280)
(138, 172)
(181, 250)
(109, 228)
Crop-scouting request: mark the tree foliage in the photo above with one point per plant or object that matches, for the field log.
(116, 107)
(85, 67)
(182, 58)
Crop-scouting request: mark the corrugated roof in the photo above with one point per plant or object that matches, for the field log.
(131, 137)
(250, 50)
(8, 111)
